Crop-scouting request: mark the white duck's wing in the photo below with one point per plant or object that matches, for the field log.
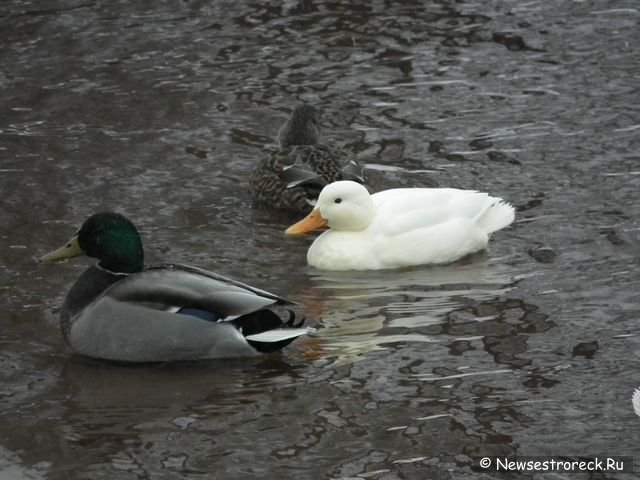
(171, 287)
(402, 210)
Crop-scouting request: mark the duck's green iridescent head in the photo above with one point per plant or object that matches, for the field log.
(109, 237)
(301, 128)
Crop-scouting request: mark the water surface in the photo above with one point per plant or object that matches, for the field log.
(160, 110)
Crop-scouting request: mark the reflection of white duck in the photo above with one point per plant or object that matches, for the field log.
(400, 227)
(635, 400)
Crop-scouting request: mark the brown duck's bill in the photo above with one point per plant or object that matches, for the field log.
(70, 250)
(311, 222)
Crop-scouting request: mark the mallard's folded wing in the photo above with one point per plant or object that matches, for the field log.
(175, 286)
(221, 278)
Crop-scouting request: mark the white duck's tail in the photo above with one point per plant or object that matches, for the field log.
(497, 216)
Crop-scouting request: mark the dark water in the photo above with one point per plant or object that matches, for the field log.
(160, 110)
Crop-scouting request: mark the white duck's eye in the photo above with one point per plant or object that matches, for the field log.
(338, 200)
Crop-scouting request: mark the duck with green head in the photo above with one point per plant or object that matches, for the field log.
(118, 310)
(292, 177)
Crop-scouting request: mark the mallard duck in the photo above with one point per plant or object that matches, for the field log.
(292, 177)
(118, 310)
(400, 227)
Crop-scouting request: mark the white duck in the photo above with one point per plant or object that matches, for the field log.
(400, 227)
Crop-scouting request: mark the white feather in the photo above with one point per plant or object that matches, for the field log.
(272, 336)
(635, 400)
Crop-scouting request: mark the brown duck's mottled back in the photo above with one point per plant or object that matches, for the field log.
(292, 177)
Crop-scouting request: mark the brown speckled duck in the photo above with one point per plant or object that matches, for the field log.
(292, 177)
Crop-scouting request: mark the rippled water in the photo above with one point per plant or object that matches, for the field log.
(160, 109)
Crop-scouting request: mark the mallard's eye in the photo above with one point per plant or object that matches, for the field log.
(338, 200)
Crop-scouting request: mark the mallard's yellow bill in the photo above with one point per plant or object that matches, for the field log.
(311, 222)
(70, 250)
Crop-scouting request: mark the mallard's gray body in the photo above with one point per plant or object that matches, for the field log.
(136, 317)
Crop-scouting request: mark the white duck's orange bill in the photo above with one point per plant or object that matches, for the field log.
(311, 222)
